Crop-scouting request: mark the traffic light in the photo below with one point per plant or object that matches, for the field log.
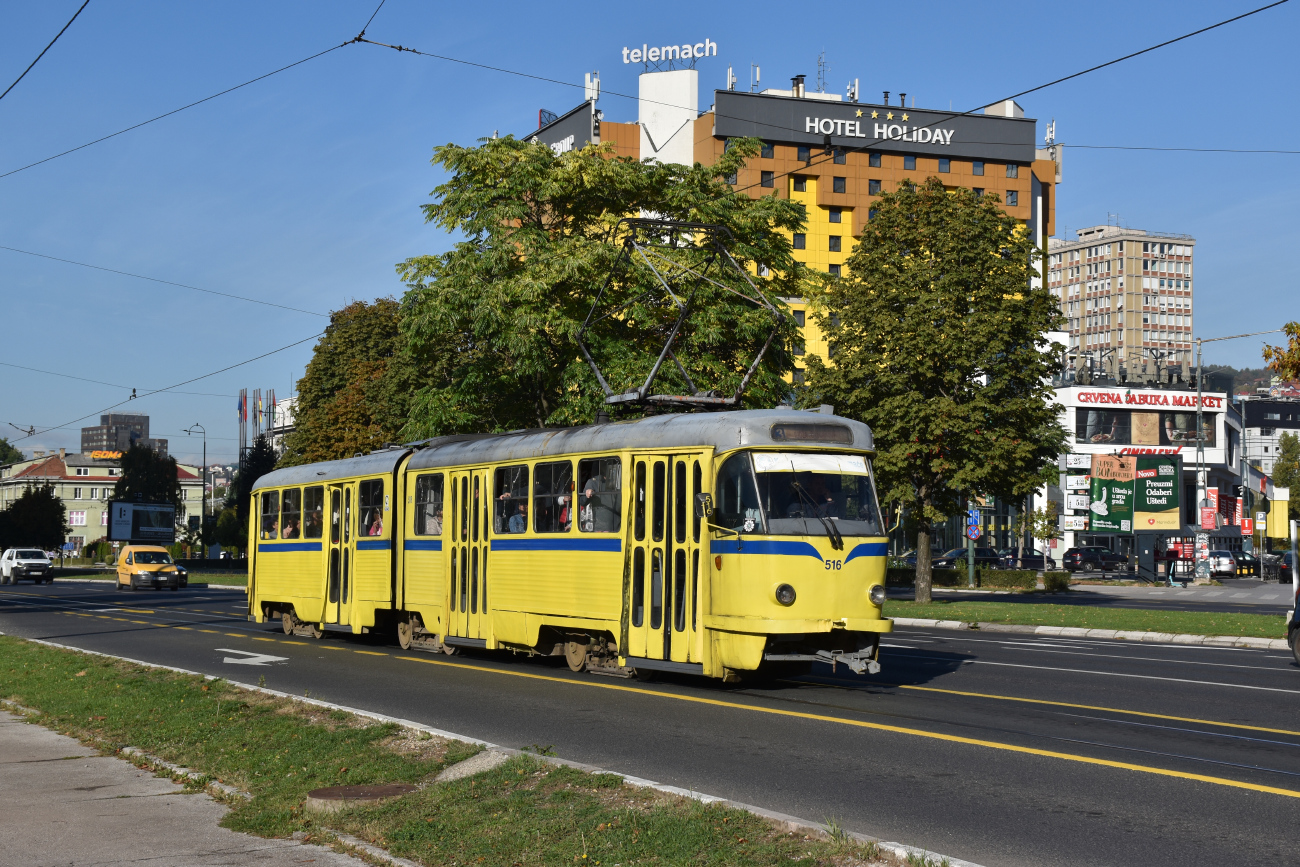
(1238, 490)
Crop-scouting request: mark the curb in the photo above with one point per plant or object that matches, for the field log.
(1112, 634)
(783, 821)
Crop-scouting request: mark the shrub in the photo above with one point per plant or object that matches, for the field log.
(1008, 579)
(1056, 582)
(905, 576)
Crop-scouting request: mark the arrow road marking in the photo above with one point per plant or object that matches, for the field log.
(253, 658)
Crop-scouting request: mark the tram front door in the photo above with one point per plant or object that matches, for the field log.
(663, 616)
(338, 575)
(467, 558)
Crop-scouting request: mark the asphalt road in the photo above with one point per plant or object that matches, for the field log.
(1001, 751)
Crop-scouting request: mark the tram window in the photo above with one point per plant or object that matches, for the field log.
(737, 499)
(695, 589)
(697, 477)
(370, 500)
(600, 504)
(336, 516)
(511, 493)
(454, 561)
(270, 515)
(657, 515)
(473, 581)
(679, 500)
(477, 517)
(553, 497)
(313, 507)
(464, 508)
(679, 589)
(464, 570)
(656, 587)
(291, 514)
(346, 576)
(428, 505)
(640, 500)
(334, 575)
(638, 587)
(483, 577)
(347, 526)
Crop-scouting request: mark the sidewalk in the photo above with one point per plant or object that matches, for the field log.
(62, 804)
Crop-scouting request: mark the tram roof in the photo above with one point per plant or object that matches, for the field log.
(384, 461)
(723, 431)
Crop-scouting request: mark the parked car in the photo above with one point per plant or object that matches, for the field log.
(1223, 564)
(1247, 564)
(956, 559)
(1285, 567)
(1031, 559)
(144, 566)
(25, 563)
(1093, 558)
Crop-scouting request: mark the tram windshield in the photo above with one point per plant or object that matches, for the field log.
(797, 494)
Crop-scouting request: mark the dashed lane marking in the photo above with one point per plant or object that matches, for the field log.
(370, 653)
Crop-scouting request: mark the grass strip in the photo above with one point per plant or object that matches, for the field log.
(1091, 617)
(227, 578)
(526, 811)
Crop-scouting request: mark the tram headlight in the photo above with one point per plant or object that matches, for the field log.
(877, 594)
(785, 594)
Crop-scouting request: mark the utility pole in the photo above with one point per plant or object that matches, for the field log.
(203, 479)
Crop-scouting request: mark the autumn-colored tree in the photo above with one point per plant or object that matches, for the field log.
(937, 342)
(1285, 360)
(354, 394)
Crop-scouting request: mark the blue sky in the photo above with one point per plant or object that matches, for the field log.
(304, 189)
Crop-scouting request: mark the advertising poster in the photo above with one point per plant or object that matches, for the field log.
(1157, 496)
(149, 523)
(1111, 494)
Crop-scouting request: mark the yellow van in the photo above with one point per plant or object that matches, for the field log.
(143, 566)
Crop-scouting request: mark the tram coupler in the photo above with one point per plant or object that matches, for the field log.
(859, 662)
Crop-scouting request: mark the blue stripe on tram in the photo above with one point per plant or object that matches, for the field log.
(764, 546)
(608, 545)
(422, 545)
(273, 547)
(868, 549)
(373, 544)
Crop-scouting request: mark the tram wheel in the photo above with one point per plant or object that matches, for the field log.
(316, 630)
(645, 675)
(575, 655)
(404, 632)
(286, 620)
(449, 650)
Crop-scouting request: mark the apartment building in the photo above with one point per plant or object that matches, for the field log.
(1127, 294)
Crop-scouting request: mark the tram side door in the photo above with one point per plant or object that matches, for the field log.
(338, 577)
(665, 550)
(467, 558)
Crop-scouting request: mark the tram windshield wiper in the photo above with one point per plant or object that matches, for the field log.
(837, 541)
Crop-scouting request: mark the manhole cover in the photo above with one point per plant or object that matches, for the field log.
(333, 798)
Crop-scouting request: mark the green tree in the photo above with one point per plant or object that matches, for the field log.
(258, 461)
(353, 396)
(230, 533)
(937, 343)
(1046, 524)
(491, 324)
(9, 454)
(1286, 470)
(148, 477)
(37, 518)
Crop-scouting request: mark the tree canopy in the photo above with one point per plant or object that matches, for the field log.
(37, 518)
(9, 453)
(353, 396)
(258, 461)
(937, 342)
(1286, 471)
(149, 477)
(1285, 360)
(491, 324)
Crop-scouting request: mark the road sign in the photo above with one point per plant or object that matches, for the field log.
(1247, 527)
(1261, 516)
(973, 532)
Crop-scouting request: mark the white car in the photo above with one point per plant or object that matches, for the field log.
(25, 563)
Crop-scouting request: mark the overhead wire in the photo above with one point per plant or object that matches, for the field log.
(101, 382)
(165, 282)
(45, 49)
(170, 387)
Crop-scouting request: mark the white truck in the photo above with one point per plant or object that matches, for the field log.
(25, 563)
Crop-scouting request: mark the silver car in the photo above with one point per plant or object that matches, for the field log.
(1223, 563)
(25, 563)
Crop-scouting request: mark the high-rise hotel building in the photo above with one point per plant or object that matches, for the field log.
(833, 153)
(1127, 294)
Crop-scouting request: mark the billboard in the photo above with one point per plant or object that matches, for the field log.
(146, 523)
(1157, 503)
(1111, 494)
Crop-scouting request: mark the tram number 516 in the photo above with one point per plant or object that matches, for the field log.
(834, 564)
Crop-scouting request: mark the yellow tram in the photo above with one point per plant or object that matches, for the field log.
(706, 543)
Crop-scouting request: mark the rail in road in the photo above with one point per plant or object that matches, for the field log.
(999, 750)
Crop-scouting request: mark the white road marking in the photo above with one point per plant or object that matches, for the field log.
(1215, 593)
(253, 658)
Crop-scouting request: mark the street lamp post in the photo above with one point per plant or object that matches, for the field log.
(203, 479)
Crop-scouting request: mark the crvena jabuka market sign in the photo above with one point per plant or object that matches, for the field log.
(860, 125)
